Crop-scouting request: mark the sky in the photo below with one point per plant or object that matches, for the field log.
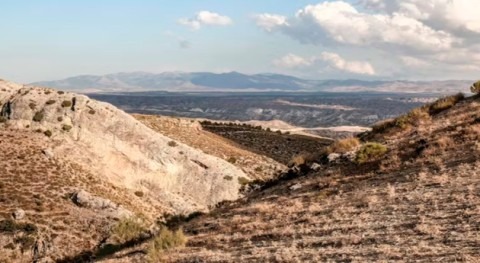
(362, 39)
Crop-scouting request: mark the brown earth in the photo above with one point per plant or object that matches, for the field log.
(276, 145)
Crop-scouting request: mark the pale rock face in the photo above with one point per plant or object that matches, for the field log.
(112, 144)
(85, 199)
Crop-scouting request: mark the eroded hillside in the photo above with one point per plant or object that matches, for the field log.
(190, 132)
(72, 169)
(418, 201)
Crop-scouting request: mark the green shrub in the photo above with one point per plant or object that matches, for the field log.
(66, 127)
(172, 143)
(66, 104)
(165, 240)
(48, 133)
(370, 152)
(243, 181)
(38, 117)
(50, 102)
(127, 229)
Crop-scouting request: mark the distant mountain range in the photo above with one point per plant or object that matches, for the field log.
(234, 81)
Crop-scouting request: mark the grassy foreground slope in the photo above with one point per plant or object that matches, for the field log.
(418, 201)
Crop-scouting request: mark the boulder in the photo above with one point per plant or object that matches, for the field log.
(18, 214)
(84, 199)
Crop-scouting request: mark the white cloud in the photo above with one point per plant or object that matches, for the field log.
(343, 23)
(292, 61)
(419, 37)
(328, 59)
(357, 67)
(269, 22)
(414, 62)
(448, 15)
(205, 18)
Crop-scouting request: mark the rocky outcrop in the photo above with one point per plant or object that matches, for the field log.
(116, 147)
(84, 199)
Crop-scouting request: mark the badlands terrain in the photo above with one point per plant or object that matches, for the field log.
(82, 181)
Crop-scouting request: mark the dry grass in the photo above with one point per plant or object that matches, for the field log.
(344, 145)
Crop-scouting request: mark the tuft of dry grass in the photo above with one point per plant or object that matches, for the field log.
(165, 240)
(445, 103)
(344, 145)
(127, 229)
(370, 152)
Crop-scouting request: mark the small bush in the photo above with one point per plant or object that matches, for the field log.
(445, 103)
(3, 119)
(370, 152)
(343, 146)
(66, 104)
(232, 160)
(48, 133)
(60, 92)
(243, 181)
(228, 177)
(66, 127)
(60, 119)
(38, 117)
(165, 240)
(139, 193)
(32, 106)
(172, 144)
(26, 242)
(127, 229)
(91, 111)
(50, 102)
(10, 226)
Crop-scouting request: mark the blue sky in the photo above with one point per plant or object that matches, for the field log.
(44, 40)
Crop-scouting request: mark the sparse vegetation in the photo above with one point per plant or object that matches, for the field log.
(172, 144)
(232, 160)
(139, 193)
(243, 181)
(445, 103)
(38, 117)
(66, 127)
(48, 133)
(32, 105)
(10, 226)
(91, 111)
(3, 119)
(60, 119)
(50, 102)
(66, 104)
(165, 240)
(370, 151)
(343, 146)
(60, 92)
(228, 177)
(127, 229)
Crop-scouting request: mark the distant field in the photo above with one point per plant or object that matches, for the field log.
(300, 109)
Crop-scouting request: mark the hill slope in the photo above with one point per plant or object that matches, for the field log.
(71, 167)
(418, 202)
